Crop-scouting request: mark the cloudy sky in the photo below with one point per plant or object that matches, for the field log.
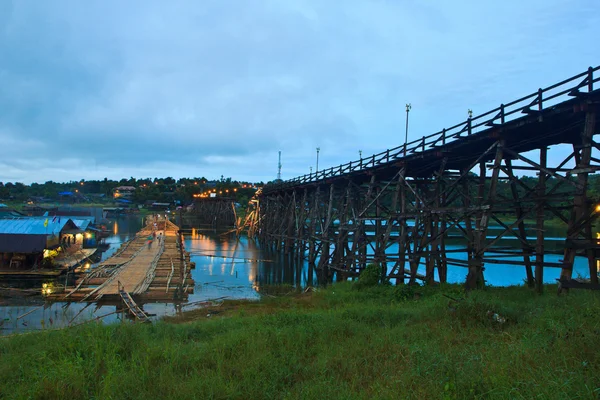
(93, 89)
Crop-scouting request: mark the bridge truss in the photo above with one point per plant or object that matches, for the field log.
(424, 203)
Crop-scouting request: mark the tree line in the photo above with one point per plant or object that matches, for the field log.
(166, 190)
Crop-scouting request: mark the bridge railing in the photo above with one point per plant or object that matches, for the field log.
(531, 104)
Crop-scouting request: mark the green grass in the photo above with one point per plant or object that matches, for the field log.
(381, 342)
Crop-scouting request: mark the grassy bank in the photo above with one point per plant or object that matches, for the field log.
(382, 342)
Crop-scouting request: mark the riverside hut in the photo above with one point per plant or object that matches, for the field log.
(25, 243)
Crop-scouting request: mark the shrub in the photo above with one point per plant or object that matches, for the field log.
(404, 292)
(369, 277)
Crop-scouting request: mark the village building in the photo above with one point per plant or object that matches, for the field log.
(26, 242)
(90, 232)
(7, 212)
(123, 192)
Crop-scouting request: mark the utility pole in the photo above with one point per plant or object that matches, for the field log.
(318, 150)
(408, 107)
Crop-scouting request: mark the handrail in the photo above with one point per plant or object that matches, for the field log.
(466, 128)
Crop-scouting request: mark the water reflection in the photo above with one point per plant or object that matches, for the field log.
(235, 268)
(239, 265)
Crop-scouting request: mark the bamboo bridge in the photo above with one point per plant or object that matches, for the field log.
(402, 207)
(159, 271)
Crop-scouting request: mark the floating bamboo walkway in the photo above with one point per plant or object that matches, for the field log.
(159, 272)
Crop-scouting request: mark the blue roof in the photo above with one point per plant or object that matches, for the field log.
(82, 222)
(32, 226)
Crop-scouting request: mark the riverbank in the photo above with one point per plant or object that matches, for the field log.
(382, 342)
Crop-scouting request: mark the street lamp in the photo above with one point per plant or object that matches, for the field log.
(360, 154)
(318, 150)
(408, 107)
(470, 112)
(310, 170)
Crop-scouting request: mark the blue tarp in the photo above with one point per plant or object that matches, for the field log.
(65, 193)
(123, 201)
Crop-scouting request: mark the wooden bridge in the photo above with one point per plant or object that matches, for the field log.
(139, 272)
(214, 212)
(399, 207)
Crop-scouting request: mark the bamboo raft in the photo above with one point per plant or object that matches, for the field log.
(160, 272)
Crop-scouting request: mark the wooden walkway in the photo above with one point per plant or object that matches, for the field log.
(159, 272)
(133, 308)
(136, 271)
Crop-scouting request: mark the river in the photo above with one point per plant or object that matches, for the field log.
(228, 267)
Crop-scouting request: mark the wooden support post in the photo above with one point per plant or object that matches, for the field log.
(401, 264)
(466, 186)
(539, 246)
(522, 233)
(323, 267)
(583, 152)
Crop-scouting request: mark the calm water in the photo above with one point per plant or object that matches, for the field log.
(227, 267)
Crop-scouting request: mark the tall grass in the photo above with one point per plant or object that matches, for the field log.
(379, 342)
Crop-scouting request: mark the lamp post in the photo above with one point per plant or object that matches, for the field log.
(310, 170)
(408, 107)
(470, 112)
(318, 150)
(360, 154)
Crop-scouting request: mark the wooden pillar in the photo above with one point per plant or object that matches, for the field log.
(443, 267)
(580, 203)
(522, 233)
(539, 246)
(466, 186)
(403, 232)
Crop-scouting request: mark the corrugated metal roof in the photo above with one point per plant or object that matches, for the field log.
(32, 226)
(82, 222)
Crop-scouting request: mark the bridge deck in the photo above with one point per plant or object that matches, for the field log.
(148, 273)
(136, 270)
(550, 116)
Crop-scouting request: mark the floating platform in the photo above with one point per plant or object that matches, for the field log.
(149, 270)
(30, 274)
(71, 260)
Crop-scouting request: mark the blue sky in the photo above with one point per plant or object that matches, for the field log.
(94, 89)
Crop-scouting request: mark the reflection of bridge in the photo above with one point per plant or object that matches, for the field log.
(399, 208)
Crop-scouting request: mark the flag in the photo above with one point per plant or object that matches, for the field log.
(54, 219)
(46, 223)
